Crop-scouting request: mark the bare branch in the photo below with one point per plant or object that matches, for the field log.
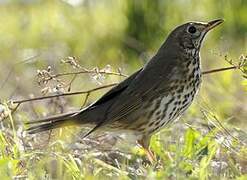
(219, 70)
(63, 94)
(45, 76)
(86, 71)
(85, 100)
(69, 85)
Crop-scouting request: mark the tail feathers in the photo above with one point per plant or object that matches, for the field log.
(52, 118)
(52, 122)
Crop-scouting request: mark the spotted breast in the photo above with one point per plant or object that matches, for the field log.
(169, 107)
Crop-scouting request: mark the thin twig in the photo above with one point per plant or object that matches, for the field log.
(85, 100)
(219, 70)
(85, 71)
(120, 74)
(63, 94)
(71, 81)
(16, 107)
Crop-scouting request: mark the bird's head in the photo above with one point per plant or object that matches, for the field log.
(190, 35)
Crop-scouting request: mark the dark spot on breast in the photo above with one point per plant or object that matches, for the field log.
(174, 108)
(185, 105)
(194, 70)
(174, 87)
(141, 129)
(194, 61)
(157, 123)
(184, 101)
(158, 112)
(176, 103)
(170, 115)
(150, 124)
(188, 63)
(180, 89)
(191, 76)
(153, 130)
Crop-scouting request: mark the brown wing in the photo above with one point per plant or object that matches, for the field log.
(117, 90)
(146, 84)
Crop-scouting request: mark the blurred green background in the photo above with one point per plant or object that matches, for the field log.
(35, 34)
(123, 34)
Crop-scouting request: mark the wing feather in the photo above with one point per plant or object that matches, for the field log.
(146, 85)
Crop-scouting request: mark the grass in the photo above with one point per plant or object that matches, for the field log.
(199, 146)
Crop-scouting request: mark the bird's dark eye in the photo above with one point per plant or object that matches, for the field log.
(192, 29)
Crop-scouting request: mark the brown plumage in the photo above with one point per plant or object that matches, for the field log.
(150, 98)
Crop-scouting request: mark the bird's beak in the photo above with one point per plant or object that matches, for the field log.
(212, 24)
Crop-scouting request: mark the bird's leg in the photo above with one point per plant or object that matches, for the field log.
(144, 143)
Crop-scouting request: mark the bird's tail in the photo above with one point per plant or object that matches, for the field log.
(52, 122)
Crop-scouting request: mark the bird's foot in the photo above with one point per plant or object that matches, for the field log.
(150, 155)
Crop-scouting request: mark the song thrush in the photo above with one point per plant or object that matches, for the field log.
(152, 97)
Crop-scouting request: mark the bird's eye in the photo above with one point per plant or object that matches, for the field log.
(192, 29)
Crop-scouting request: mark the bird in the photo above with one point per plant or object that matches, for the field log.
(149, 99)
